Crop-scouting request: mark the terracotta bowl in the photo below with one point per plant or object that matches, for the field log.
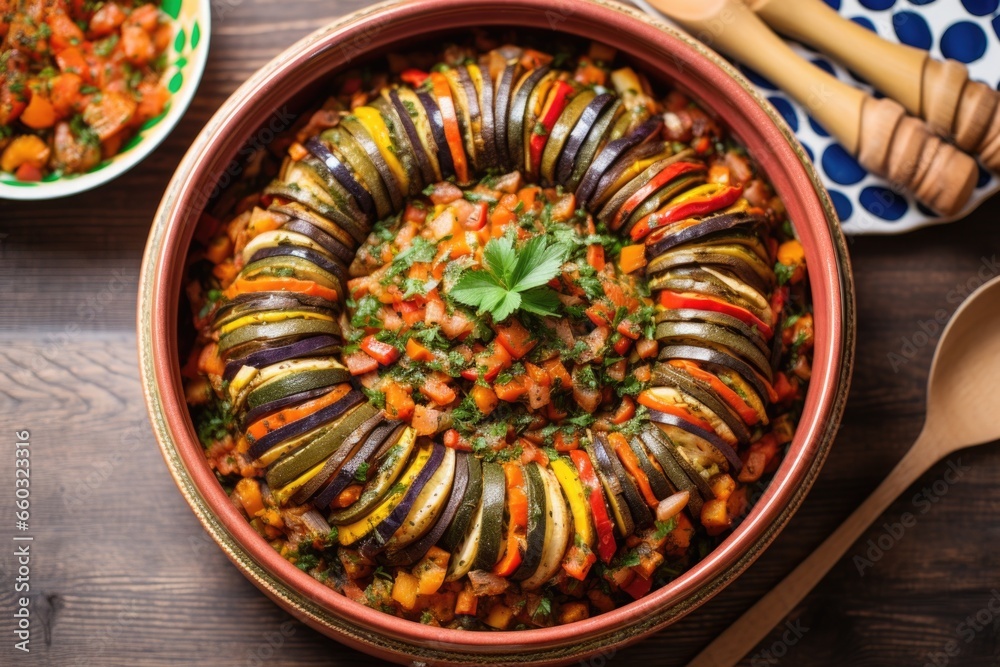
(261, 107)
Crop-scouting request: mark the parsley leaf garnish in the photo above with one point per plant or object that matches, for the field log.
(512, 279)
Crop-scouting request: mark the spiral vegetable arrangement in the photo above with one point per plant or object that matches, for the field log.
(504, 344)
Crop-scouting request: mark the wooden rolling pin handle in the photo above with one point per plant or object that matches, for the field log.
(902, 148)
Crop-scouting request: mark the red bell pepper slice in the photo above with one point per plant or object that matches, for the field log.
(381, 352)
(726, 196)
(413, 76)
(558, 99)
(674, 300)
(667, 174)
(606, 546)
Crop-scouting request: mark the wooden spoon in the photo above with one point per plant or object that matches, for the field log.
(961, 412)
(886, 141)
(939, 91)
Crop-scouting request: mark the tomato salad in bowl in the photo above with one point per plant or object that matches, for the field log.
(508, 341)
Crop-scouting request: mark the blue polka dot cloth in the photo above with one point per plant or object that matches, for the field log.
(965, 30)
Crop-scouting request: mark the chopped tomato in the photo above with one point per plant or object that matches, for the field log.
(436, 388)
(384, 353)
(360, 363)
(515, 338)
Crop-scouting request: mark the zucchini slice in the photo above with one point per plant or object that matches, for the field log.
(468, 548)
(612, 490)
(466, 512)
(657, 480)
(658, 444)
(538, 522)
(630, 492)
(560, 134)
(268, 448)
(556, 540)
(491, 535)
(338, 476)
(295, 463)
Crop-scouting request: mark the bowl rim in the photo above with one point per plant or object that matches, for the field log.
(123, 162)
(400, 640)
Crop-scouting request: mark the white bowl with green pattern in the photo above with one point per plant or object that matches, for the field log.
(186, 57)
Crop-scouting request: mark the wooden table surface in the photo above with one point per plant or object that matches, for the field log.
(123, 574)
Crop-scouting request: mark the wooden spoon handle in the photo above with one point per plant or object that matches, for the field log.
(877, 131)
(938, 91)
(755, 623)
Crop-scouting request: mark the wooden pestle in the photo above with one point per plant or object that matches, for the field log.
(886, 141)
(967, 112)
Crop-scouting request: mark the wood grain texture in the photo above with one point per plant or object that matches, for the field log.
(124, 575)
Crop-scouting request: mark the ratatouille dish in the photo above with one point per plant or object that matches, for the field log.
(507, 341)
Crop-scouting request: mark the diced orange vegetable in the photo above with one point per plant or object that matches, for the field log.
(560, 376)
(427, 421)
(632, 258)
(39, 114)
(595, 256)
(26, 148)
(404, 590)
(109, 113)
(209, 361)
(398, 404)
(485, 398)
(512, 390)
(515, 338)
(499, 616)
(417, 351)
(247, 491)
(466, 602)
(436, 387)
(565, 442)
